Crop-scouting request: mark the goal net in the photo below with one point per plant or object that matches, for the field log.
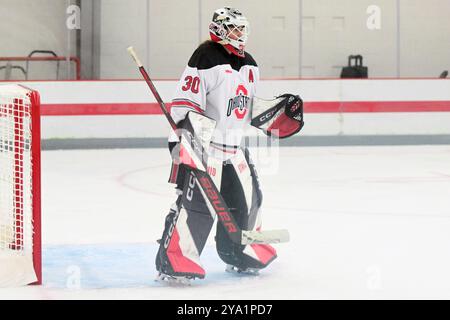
(20, 238)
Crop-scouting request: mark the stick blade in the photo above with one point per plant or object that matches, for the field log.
(267, 236)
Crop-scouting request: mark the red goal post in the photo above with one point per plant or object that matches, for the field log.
(20, 185)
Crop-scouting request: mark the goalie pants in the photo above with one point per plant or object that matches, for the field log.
(189, 222)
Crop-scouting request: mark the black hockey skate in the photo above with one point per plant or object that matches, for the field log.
(247, 272)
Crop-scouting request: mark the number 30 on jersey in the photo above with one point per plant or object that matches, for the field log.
(191, 83)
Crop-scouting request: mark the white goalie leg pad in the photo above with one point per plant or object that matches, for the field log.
(253, 197)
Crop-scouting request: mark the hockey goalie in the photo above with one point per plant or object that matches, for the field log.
(215, 100)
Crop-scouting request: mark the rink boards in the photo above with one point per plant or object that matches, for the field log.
(125, 108)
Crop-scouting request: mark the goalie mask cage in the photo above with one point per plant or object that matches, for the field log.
(20, 222)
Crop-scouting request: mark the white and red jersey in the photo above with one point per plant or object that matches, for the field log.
(221, 86)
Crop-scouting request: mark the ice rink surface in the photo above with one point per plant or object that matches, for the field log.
(365, 223)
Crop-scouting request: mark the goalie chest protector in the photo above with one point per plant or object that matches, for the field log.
(221, 86)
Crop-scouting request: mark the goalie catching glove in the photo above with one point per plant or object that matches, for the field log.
(281, 117)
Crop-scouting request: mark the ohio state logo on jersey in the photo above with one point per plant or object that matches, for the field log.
(239, 104)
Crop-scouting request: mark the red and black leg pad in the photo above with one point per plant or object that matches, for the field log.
(187, 227)
(254, 256)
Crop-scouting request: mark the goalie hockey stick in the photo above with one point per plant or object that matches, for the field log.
(208, 188)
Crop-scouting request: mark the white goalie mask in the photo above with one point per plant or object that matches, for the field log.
(230, 28)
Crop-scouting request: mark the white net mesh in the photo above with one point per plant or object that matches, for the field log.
(16, 218)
